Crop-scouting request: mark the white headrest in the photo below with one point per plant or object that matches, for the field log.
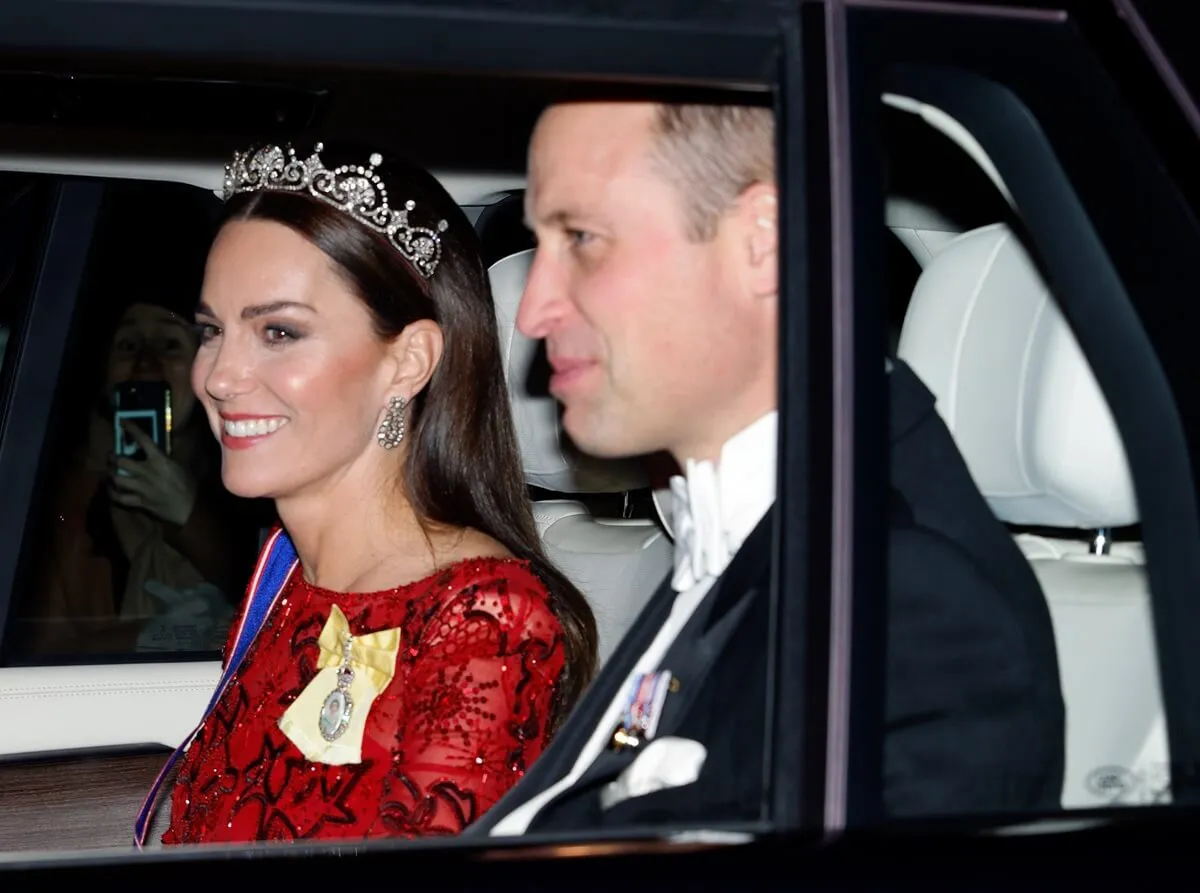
(1012, 384)
(551, 460)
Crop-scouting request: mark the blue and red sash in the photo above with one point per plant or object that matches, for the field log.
(276, 563)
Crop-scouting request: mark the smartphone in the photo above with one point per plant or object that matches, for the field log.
(146, 404)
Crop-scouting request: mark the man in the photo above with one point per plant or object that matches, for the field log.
(655, 288)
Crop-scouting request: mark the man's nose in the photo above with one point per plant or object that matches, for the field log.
(543, 300)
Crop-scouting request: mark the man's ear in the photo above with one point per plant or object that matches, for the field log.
(758, 213)
(416, 352)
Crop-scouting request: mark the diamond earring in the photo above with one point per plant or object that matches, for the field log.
(391, 430)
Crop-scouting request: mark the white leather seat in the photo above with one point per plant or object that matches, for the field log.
(1013, 386)
(617, 563)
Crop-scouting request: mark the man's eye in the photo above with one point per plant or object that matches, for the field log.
(578, 238)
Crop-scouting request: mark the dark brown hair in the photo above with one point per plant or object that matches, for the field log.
(463, 466)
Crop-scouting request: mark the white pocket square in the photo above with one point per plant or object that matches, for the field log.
(665, 763)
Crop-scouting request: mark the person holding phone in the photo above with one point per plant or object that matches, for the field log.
(144, 551)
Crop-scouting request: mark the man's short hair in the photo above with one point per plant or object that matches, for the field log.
(712, 154)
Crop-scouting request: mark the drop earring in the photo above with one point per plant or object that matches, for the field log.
(391, 429)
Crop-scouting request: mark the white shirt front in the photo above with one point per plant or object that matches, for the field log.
(715, 509)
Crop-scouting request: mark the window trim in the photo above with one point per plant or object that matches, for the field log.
(39, 352)
(797, 763)
(27, 243)
(717, 43)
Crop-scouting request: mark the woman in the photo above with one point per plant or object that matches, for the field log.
(350, 367)
(140, 553)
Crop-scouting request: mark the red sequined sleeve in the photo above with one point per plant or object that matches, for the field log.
(474, 710)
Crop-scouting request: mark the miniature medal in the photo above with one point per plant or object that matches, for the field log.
(335, 712)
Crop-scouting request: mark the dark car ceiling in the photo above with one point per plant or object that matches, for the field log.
(465, 122)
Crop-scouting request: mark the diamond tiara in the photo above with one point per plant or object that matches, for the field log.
(357, 191)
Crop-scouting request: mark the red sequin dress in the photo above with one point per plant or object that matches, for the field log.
(464, 715)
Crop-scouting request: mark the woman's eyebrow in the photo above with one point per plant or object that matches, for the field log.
(257, 310)
(273, 307)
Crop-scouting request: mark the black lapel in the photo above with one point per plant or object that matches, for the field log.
(750, 562)
(571, 738)
(691, 657)
(700, 644)
(748, 566)
(910, 402)
(559, 758)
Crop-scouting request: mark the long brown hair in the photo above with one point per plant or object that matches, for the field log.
(463, 466)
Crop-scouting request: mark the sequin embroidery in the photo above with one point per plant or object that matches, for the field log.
(463, 717)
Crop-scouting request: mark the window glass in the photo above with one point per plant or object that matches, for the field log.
(23, 200)
(103, 584)
(1033, 379)
(984, 331)
(144, 553)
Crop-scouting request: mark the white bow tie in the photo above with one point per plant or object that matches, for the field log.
(701, 550)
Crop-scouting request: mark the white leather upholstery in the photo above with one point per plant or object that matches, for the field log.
(1013, 386)
(616, 563)
(63, 709)
(923, 244)
(1011, 382)
(922, 229)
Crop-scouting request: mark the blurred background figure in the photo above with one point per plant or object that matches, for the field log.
(147, 553)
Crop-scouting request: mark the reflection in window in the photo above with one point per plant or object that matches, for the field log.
(136, 547)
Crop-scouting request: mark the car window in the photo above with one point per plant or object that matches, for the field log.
(24, 203)
(157, 665)
(132, 549)
(984, 331)
(1033, 320)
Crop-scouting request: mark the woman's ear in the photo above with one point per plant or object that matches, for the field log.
(416, 352)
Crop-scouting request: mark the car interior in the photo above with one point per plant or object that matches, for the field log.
(982, 329)
(969, 311)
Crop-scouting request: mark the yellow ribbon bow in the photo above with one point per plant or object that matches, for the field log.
(372, 659)
(373, 654)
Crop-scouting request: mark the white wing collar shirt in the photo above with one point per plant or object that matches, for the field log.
(715, 508)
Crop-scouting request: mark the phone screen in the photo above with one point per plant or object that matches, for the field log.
(147, 405)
